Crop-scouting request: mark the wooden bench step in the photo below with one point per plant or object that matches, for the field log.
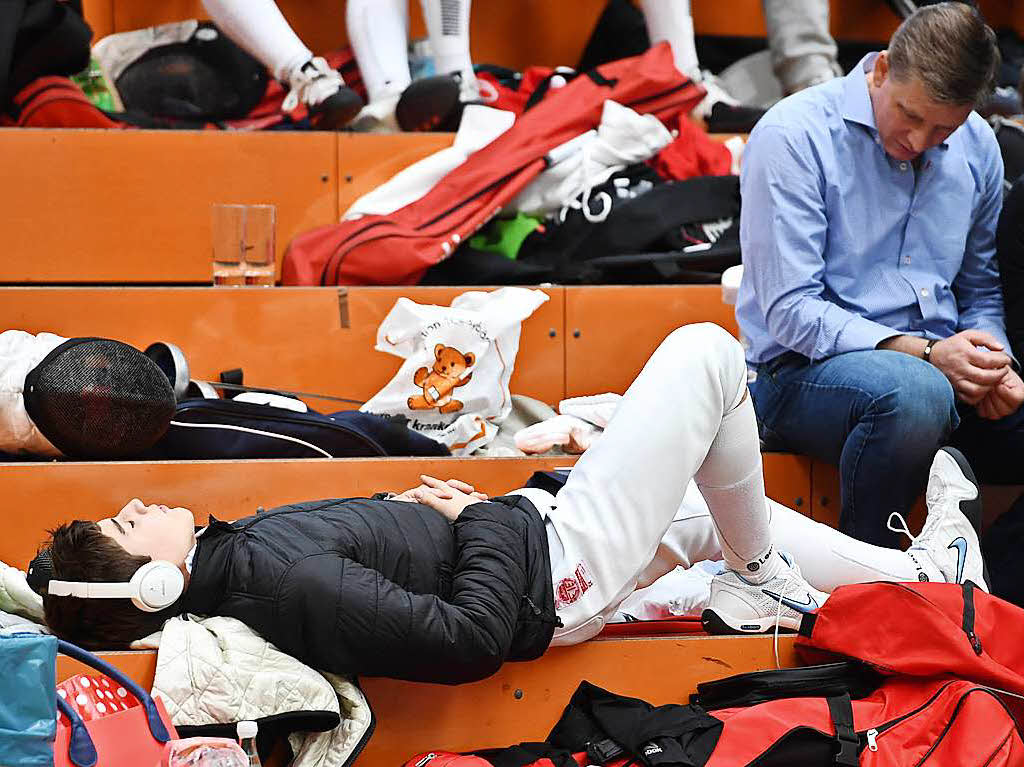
(567, 26)
(524, 700)
(39, 496)
(583, 340)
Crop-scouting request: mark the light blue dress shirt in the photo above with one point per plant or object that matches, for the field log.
(844, 246)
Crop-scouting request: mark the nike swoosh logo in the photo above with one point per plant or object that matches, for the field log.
(960, 544)
(801, 607)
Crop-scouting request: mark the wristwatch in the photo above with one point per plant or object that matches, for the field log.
(926, 355)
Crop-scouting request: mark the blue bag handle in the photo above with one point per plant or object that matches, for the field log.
(156, 726)
(81, 749)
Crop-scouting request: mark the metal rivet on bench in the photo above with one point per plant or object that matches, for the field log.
(552, 333)
(518, 695)
(576, 333)
(348, 179)
(798, 502)
(824, 500)
(260, 510)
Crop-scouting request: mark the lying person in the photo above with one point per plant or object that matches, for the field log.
(441, 584)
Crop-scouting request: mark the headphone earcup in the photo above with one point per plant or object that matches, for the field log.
(156, 585)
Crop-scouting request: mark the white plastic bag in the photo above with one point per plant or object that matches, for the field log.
(453, 385)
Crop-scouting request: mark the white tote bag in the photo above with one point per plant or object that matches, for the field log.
(453, 385)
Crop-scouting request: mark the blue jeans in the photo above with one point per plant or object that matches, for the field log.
(879, 416)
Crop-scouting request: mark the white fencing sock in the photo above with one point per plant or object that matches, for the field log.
(732, 483)
(258, 27)
(379, 32)
(448, 28)
(828, 558)
(671, 20)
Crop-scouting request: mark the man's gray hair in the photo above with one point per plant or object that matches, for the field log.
(950, 49)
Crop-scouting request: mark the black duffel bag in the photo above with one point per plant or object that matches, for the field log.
(207, 429)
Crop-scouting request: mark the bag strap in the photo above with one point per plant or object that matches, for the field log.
(840, 708)
(81, 749)
(156, 726)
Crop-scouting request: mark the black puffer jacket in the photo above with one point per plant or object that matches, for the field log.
(384, 588)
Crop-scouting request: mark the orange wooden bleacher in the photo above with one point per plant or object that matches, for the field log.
(518, 34)
(524, 700)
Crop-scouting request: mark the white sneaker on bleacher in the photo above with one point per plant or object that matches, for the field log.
(947, 548)
(738, 606)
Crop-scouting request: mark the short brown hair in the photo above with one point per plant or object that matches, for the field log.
(81, 552)
(950, 49)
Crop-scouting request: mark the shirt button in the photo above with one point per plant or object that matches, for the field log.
(924, 292)
(903, 166)
(906, 259)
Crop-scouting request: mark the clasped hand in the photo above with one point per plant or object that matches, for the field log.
(980, 376)
(449, 497)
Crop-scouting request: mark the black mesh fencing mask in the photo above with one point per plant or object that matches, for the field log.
(97, 398)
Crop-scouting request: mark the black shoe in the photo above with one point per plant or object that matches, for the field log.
(431, 104)
(733, 119)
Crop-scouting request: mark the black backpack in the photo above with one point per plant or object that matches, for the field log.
(40, 38)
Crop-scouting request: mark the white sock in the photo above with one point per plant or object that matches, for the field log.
(258, 27)
(379, 31)
(448, 28)
(732, 483)
(828, 558)
(670, 20)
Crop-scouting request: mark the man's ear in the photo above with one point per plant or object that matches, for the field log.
(470, 359)
(437, 350)
(881, 69)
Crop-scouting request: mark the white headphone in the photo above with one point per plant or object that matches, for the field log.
(155, 586)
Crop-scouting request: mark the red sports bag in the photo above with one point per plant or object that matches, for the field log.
(397, 249)
(55, 102)
(922, 630)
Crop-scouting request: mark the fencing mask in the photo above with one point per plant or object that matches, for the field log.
(100, 399)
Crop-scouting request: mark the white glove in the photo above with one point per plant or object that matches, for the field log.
(597, 409)
(573, 434)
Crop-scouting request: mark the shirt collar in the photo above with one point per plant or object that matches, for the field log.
(856, 99)
(190, 557)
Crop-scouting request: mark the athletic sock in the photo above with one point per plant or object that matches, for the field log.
(670, 20)
(258, 27)
(448, 28)
(378, 31)
(732, 483)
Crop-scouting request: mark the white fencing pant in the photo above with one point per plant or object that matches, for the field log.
(624, 492)
(630, 511)
(258, 27)
(827, 558)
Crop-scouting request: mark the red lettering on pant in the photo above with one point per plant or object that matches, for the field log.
(569, 590)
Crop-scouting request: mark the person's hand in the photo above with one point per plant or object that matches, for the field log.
(1003, 399)
(448, 498)
(973, 372)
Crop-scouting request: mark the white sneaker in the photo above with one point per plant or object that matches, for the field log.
(321, 88)
(716, 94)
(738, 606)
(947, 548)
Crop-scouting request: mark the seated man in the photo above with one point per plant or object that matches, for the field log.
(441, 584)
(870, 298)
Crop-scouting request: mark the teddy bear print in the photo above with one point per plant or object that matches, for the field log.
(449, 372)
